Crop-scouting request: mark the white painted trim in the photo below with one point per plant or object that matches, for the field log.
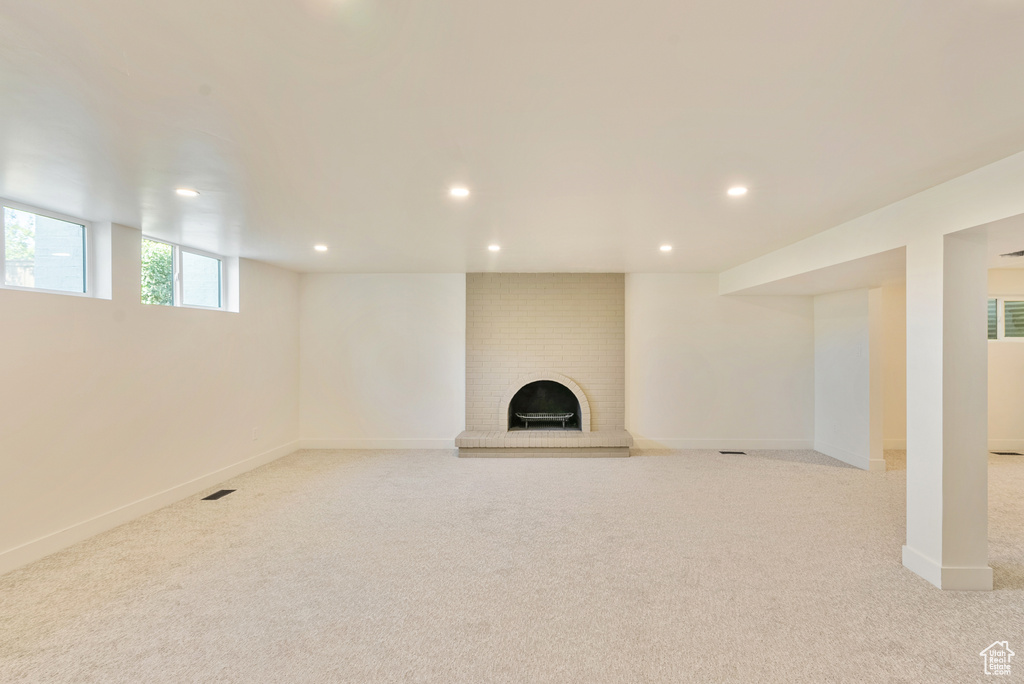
(721, 444)
(861, 461)
(947, 578)
(88, 258)
(177, 259)
(1006, 445)
(918, 563)
(51, 543)
(377, 443)
(967, 579)
(895, 443)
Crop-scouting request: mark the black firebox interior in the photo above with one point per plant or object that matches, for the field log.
(544, 397)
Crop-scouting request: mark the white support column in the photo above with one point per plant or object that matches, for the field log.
(947, 408)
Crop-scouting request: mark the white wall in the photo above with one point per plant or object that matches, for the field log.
(706, 371)
(894, 359)
(111, 408)
(383, 360)
(841, 375)
(1005, 370)
(843, 378)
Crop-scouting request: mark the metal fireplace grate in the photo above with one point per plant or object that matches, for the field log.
(544, 417)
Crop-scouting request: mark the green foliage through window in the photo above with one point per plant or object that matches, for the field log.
(19, 235)
(43, 252)
(157, 273)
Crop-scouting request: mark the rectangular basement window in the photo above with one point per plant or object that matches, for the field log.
(173, 275)
(1013, 318)
(1006, 318)
(200, 280)
(42, 251)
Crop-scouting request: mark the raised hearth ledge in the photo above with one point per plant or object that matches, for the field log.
(555, 443)
(527, 452)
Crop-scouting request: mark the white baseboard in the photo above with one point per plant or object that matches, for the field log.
(719, 444)
(638, 443)
(861, 461)
(51, 543)
(950, 578)
(920, 564)
(370, 443)
(993, 444)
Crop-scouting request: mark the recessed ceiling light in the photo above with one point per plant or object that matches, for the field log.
(187, 192)
(459, 191)
(320, 248)
(737, 191)
(494, 248)
(666, 248)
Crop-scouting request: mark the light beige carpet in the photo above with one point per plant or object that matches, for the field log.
(420, 567)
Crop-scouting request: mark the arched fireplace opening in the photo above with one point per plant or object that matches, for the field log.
(544, 405)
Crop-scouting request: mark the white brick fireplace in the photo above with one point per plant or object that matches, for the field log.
(567, 328)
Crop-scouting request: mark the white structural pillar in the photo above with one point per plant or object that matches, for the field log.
(947, 410)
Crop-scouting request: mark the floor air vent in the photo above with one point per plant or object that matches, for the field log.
(738, 453)
(1007, 453)
(217, 495)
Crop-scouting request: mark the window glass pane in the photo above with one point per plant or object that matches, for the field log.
(43, 252)
(1013, 313)
(200, 280)
(993, 319)
(157, 273)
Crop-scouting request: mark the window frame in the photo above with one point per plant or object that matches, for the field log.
(88, 256)
(178, 285)
(180, 270)
(175, 295)
(1001, 318)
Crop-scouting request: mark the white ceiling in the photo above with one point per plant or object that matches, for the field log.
(589, 132)
(1004, 237)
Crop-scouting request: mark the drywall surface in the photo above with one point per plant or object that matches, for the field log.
(383, 360)
(894, 362)
(708, 371)
(1005, 367)
(842, 377)
(1005, 370)
(111, 408)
